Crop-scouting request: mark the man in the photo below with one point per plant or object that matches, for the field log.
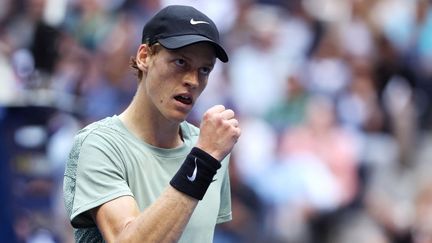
(147, 175)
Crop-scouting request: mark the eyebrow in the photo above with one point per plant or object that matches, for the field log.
(182, 55)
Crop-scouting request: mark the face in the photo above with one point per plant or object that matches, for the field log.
(174, 79)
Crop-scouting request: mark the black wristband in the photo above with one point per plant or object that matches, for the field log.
(196, 173)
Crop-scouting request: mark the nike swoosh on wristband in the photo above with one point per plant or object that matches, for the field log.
(195, 22)
(194, 173)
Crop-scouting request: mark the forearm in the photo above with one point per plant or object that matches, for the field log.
(120, 220)
(163, 221)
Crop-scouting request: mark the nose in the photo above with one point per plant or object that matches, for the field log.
(191, 79)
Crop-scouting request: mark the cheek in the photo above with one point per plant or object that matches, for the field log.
(159, 89)
(153, 88)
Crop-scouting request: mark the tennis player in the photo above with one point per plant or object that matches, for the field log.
(147, 175)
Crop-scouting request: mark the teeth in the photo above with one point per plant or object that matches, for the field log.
(184, 99)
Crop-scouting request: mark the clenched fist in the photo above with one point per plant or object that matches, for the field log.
(219, 132)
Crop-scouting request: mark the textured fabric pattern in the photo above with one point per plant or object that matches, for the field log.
(108, 162)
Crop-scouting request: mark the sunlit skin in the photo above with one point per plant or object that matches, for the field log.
(167, 74)
(184, 71)
(154, 116)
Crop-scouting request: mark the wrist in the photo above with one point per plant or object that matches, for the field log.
(204, 155)
(196, 173)
(212, 153)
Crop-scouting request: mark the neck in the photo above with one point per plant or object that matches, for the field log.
(153, 129)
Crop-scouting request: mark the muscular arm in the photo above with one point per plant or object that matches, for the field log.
(164, 221)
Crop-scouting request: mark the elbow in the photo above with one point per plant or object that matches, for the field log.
(126, 234)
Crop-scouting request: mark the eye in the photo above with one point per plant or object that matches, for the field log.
(180, 62)
(205, 70)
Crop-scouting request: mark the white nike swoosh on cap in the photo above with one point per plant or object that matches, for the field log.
(194, 173)
(194, 22)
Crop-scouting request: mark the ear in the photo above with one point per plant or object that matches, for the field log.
(143, 57)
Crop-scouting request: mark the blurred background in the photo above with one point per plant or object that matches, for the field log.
(333, 97)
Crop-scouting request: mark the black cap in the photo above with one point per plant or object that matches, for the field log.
(177, 26)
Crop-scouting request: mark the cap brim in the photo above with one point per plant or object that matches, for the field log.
(175, 42)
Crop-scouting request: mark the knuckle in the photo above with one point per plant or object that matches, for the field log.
(206, 115)
(217, 119)
(209, 115)
(230, 113)
(222, 107)
(224, 124)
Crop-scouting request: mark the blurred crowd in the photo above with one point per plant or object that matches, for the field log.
(333, 97)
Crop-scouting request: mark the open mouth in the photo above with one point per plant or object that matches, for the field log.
(185, 99)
